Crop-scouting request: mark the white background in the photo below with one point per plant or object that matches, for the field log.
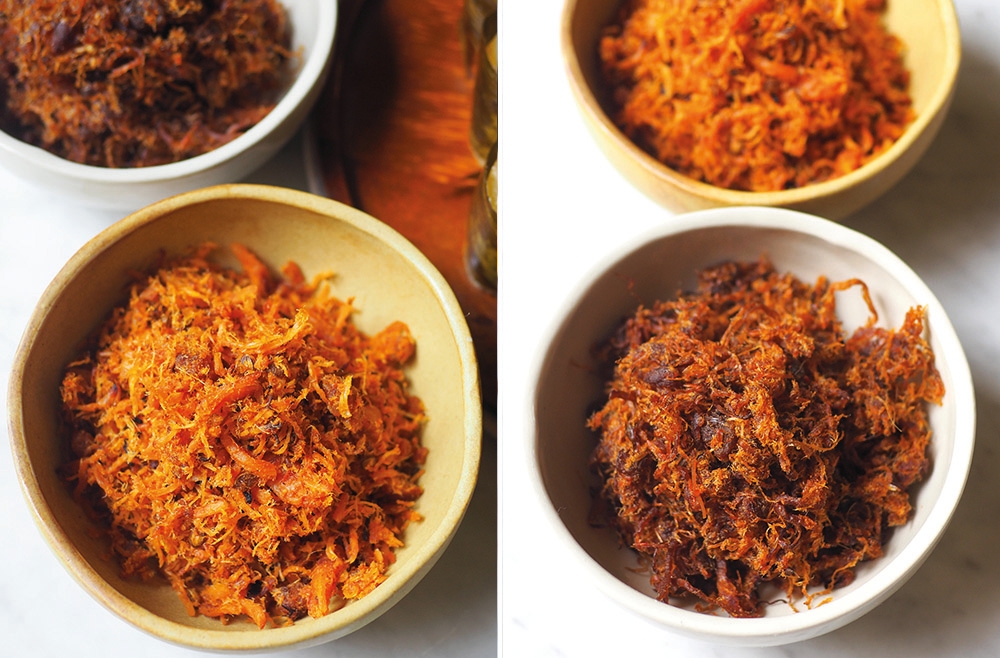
(563, 208)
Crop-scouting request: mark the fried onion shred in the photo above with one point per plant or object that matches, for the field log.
(238, 435)
(746, 441)
(757, 95)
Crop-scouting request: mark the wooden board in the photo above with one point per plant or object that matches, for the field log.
(393, 131)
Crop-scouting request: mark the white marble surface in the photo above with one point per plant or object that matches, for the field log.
(43, 612)
(563, 207)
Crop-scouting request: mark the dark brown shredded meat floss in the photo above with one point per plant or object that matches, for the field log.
(135, 83)
(746, 440)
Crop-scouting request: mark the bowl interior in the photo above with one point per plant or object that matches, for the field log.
(569, 388)
(929, 31)
(388, 279)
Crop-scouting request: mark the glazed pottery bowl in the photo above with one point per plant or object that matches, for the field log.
(313, 23)
(570, 385)
(388, 280)
(929, 30)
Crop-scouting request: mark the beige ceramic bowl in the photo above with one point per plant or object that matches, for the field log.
(313, 23)
(389, 279)
(657, 265)
(928, 27)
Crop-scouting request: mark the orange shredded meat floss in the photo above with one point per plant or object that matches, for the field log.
(239, 436)
(746, 441)
(757, 95)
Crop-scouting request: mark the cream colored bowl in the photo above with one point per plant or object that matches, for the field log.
(929, 28)
(657, 265)
(313, 25)
(389, 280)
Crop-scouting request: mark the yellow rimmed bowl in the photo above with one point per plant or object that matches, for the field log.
(389, 280)
(930, 32)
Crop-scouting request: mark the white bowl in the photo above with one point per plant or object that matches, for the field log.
(313, 24)
(657, 265)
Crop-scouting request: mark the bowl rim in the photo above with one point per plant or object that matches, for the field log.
(599, 120)
(311, 73)
(401, 579)
(765, 631)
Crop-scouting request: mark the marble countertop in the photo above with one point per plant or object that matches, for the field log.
(452, 612)
(563, 208)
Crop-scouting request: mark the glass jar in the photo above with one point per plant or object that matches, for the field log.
(481, 249)
(474, 13)
(486, 92)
